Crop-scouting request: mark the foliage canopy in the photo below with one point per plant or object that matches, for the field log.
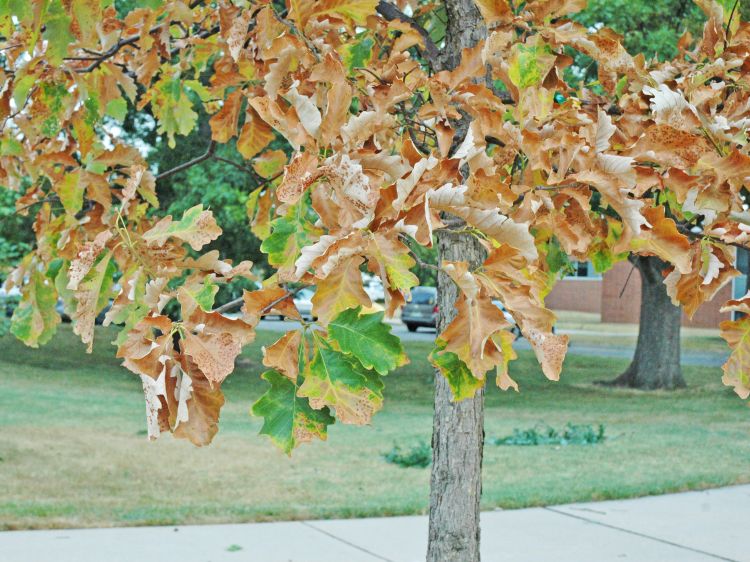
(351, 134)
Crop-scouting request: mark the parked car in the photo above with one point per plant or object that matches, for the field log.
(421, 309)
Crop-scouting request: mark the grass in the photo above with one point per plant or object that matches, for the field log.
(587, 329)
(73, 451)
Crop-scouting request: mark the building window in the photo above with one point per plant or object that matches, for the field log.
(583, 270)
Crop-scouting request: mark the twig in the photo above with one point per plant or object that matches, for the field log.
(554, 187)
(728, 31)
(240, 167)
(625, 286)
(298, 33)
(112, 51)
(697, 235)
(184, 166)
(371, 73)
(391, 12)
(231, 305)
(420, 262)
(47, 199)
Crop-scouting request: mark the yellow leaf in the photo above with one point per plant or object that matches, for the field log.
(342, 289)
(254, 136)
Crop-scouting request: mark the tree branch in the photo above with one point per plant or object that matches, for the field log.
(391, 12)
(231, 305)
(240, 167)
(190, 163)
(420, 262)
(99, 58)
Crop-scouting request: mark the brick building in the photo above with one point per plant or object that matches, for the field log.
(618, 299)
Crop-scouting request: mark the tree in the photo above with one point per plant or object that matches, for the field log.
(362, 139)
(654, 29)
(656, 363)
(458, 426)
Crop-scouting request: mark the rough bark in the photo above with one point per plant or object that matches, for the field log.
(457, 438)
(458, 427)
(656, 363)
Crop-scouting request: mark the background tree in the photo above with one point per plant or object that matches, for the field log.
(654, 29)
(363, 138)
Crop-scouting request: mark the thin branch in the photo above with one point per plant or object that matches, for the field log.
(190, 163)
(556, 187)
(240, 167)
(420, 262)
(625, 286)
(698, 235)
(728, 31)
(391, 12)
(231, 305)
(371, 73)
(112, 51)
(48, 199)
(298, 33)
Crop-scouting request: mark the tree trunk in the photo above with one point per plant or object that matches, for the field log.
(457, 438)
(458, 427)
(656, 363)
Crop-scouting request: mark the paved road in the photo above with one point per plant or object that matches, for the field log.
(608, 348)
(690, 527)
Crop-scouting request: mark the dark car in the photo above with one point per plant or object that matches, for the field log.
(421, 309)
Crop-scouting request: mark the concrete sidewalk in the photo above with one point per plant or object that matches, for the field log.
(694, 526)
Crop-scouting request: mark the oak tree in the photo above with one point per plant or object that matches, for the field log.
(366, 129)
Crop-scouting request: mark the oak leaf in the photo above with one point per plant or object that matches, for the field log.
(197, 228)
(737, 335)
(283, 355)
(369, 339)
(334, 380)
(289, 420)
(340, 290)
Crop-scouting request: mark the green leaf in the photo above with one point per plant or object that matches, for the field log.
(203, 294)
(61, 284)
(10, 147)
(57, 31)
(93, 294)
(131, 311)
(529, 64)
(117, 109)
(463, 384)
(290, 234)
(22, 87)
(173, 108)
(196, 227)
(335, 380)
(70, 191)
(358, 53)
(288, 419)
(369, 339)
(22, 9)
(35, 319)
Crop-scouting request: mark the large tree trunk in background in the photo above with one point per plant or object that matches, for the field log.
(656, 363)
(457, 438)
(458, 428)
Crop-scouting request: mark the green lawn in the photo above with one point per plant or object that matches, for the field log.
(73, 450)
